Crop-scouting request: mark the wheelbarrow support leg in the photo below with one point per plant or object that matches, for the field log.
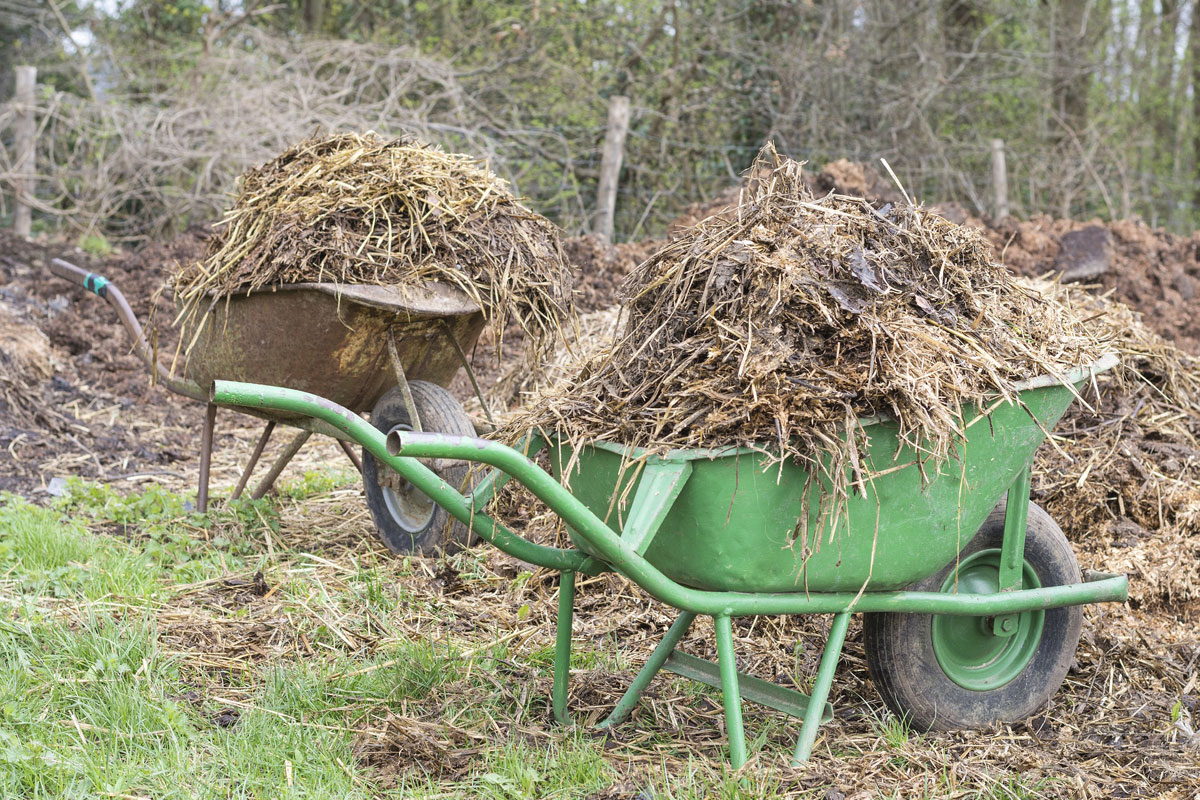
(206, 446)
(829, 660)
(253, 462)
(287, 455)
(729, 689)
(1012, 549)
(562, 646)
(353, 456)
(653, 664)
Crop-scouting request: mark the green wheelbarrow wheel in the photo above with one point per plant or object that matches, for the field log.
(944, 672)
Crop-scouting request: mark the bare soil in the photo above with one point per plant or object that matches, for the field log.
(109, 422)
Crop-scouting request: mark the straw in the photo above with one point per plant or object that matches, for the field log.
(360, 209)
(776, 327)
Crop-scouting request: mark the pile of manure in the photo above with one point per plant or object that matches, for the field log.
(1122, 477)
(780, 325)
(361, 209)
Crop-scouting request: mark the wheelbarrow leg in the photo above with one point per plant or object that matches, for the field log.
(653, 664)
(254, 457)
(729, 688)
(829, 660)
(562, 646)
(282, 461)
(353, 456)
(206, 446)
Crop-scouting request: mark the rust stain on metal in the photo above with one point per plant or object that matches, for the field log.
(312, 340)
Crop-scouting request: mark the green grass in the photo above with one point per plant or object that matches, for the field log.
(516, 770)
(95, 244)
(91, 707)
(49, 554)
(894, 730)
(95, 703)
(87, 709)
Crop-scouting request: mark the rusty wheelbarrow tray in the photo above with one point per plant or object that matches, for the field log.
(387, 350)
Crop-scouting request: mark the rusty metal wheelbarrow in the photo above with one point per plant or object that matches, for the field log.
(386, 350)
(970, 592)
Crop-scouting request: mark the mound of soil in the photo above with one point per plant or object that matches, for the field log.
(89, 409)
(856, 179)
(26, 364)
(724, 203)
(599, 268)
(1151, 270)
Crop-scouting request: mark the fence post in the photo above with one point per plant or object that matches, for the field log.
(610, 166)
(23, 141)
(999, 180)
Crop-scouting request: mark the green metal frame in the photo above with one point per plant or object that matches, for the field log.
(610, 550)
(1012, 552)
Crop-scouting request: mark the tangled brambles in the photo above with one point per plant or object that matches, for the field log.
(361, 209)
(781, 325)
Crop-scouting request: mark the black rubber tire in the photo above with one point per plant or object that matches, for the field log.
(902, 662)
(440, 533)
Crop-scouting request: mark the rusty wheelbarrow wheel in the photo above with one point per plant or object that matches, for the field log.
(406, 519)
(945, 672)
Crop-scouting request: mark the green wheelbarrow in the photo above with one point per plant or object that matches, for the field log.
(970, 593)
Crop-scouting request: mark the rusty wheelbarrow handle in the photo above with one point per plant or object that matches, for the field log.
(103, 287)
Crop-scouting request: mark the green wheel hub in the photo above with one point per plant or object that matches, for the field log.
(967, 648)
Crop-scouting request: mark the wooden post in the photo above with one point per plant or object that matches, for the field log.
(23, 141)
(610, 166)
(999, 180)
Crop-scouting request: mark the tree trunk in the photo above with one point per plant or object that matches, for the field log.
(1194, 55)
(1074, 28)
(314, 15)
(610, 167)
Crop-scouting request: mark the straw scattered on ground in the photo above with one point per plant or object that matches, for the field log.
(26, 362)
(361, 209)
(1124, 478)
(782, 324)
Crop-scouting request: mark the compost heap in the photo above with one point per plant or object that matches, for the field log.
(360, 209)
(1123, 476)
(782, 324)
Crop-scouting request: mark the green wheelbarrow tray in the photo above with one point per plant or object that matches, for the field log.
(659, 541)
(726, 519)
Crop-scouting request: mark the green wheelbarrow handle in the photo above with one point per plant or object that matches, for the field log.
(404, 448)
(250, 395)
